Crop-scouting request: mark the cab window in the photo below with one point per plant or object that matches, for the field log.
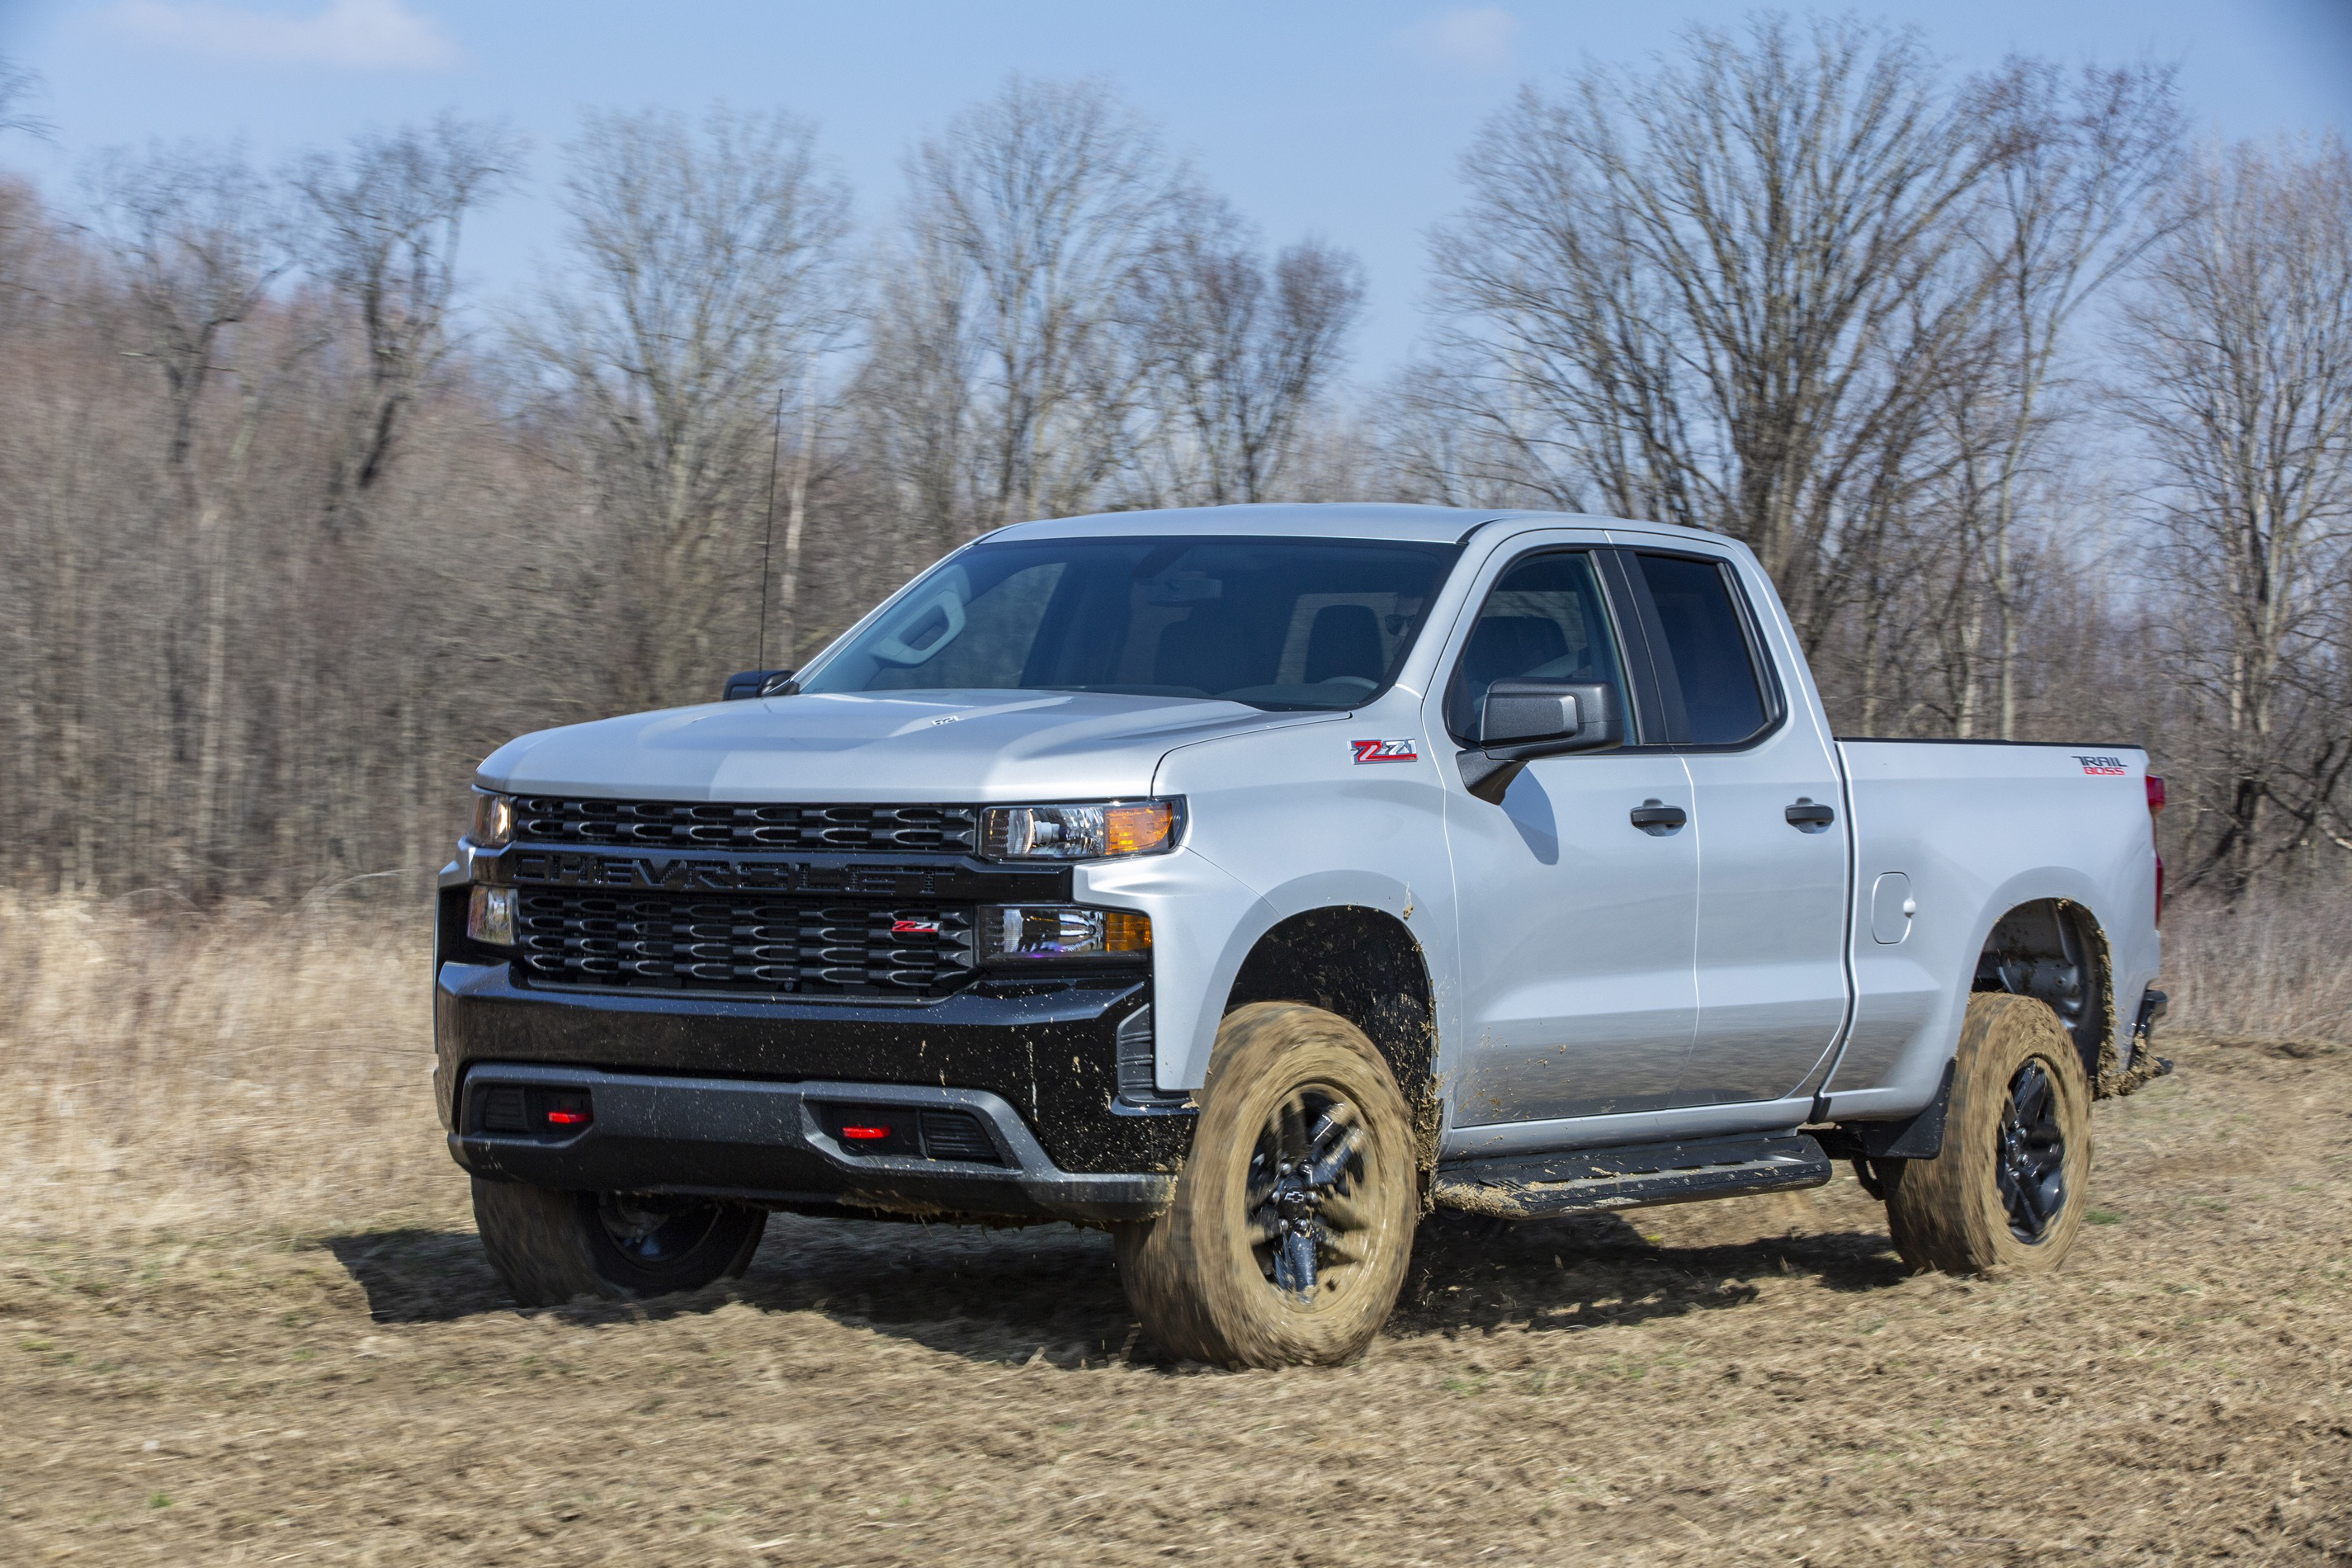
(1706, 666)
(1543, 620)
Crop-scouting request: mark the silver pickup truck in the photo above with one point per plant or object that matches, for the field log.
(1251, 881)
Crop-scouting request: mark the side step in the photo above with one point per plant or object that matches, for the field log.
(1634, 1176)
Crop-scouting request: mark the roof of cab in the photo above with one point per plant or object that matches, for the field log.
(1333, 520)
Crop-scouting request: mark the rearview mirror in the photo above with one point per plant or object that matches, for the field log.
(1522, 720)
(758, 683)
(1525, 712)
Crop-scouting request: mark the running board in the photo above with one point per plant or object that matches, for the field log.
(1634, 1175)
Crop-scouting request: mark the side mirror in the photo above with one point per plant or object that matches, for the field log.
(1523, 720)
(1581, 717)
(759, 683)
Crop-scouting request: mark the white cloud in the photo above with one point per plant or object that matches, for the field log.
(1477, 36)
(378, 33)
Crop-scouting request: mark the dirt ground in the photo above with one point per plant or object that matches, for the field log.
(1757, 1381)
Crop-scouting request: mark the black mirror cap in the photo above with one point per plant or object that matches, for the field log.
(751, 683)
(1523, 720)
(1520, 712)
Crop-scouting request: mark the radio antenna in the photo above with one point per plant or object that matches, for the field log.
(768, 545)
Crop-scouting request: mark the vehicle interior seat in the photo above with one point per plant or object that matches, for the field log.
(1345, 639)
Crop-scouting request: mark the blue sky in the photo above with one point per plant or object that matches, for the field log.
(1343, 120)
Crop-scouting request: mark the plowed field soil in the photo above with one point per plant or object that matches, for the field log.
(1751, 1382)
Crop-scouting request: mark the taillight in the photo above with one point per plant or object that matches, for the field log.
(2155, 794)
(2155, 805)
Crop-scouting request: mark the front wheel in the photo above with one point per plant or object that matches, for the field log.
(2009, 1187)
(550, 1246)
(1292, 1219)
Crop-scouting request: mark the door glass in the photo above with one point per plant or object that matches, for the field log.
(1543, 621)
(1705, 662)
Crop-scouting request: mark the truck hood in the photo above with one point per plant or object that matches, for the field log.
(882, 748)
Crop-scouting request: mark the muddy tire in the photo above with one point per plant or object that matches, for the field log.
(2009, 1187)
(1293, 1217)
(550, 1246)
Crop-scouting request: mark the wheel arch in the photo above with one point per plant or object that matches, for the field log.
(1365, 965)
(2054, 949)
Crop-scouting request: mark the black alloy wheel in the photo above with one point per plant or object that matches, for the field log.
(1304, 1177)
(2031, 1165)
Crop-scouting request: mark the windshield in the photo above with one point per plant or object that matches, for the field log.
(1274, 623)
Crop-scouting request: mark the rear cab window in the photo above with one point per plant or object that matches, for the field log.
(1711, 688)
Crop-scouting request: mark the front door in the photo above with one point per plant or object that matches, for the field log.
(1772, 837)
(1576, 926)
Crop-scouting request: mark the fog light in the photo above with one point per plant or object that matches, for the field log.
(1030, 931)
(490, 916)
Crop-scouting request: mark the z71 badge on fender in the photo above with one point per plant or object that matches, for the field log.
(1386, 751)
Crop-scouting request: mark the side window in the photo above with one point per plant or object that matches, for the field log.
(1707, 660)
(1543, 620)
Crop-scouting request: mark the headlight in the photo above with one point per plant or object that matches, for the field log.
(1079, 832)
(493, 820)
(1019, 933)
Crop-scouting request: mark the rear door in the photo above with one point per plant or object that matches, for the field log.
(1772, 849)
(1576, 926)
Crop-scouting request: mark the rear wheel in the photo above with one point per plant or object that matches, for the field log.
(550, 1246)
(1292, 1219)
(2009, 1188)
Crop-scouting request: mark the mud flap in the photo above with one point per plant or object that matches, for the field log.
(2113, 1079)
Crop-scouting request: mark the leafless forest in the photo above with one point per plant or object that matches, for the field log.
(2039, 409)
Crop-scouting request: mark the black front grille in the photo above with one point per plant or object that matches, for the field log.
(684, 941)
(677, 824)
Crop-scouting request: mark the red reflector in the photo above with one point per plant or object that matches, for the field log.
(865, 1134)
(2155, 794)
(568, 1117)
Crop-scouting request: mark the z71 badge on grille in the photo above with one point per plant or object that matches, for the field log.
(1385, 752)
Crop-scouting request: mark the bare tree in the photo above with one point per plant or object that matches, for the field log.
(710, 276)
(16, 86)
(2077, 162)
(381, 231)
(1238, 352)
(2239, 354)
(199, 239)
(1696, 296)
(917, 391)
(1025, 223)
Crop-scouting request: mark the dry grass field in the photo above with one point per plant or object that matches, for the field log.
(244, 1317)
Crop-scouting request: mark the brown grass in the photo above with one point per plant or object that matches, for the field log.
(243, 1317)
(2273, 969)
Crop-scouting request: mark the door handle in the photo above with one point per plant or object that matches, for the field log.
(1654, 817)
(1808, 817)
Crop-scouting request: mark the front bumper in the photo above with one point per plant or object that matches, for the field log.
(767, 1143)
(710, 1094)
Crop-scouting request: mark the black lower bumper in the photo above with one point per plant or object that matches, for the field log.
(710, 1094)
(774, 1144)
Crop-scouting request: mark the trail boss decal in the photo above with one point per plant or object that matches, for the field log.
(2102, 767)
(1385, 752)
